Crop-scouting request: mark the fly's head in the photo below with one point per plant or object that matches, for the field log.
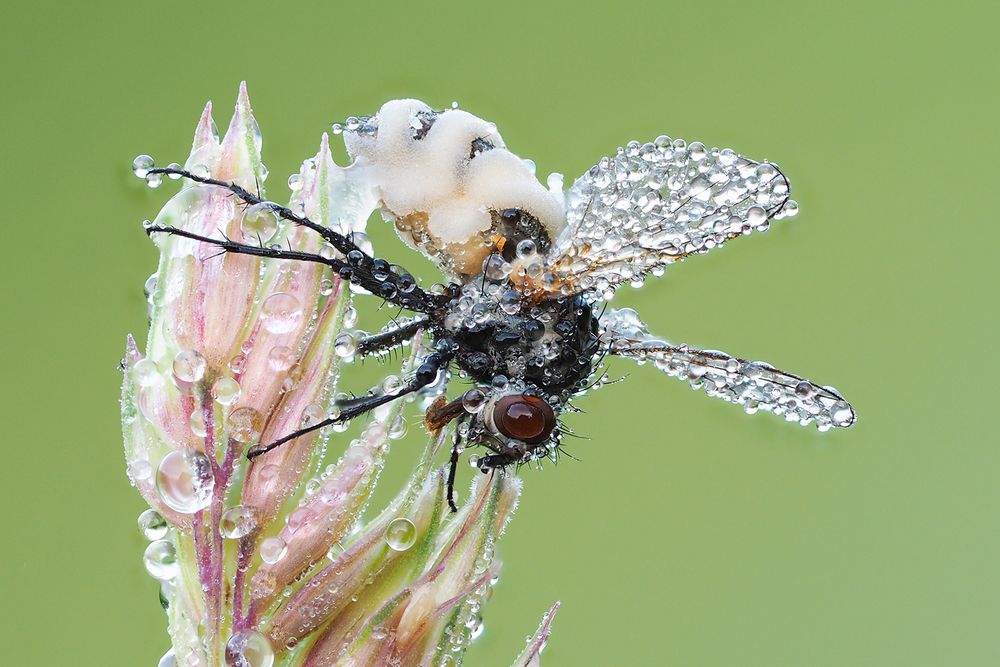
(518, 423)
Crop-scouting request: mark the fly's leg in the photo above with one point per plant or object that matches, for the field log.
(452, 468)
(494, 461)
(425, 374)
(389, 339)
(375, 275)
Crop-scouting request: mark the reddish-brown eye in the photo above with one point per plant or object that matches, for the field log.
(525, 418)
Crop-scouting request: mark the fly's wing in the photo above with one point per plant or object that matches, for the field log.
(654, 204)
(753, 384)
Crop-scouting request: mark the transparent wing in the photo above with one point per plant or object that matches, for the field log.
(654, 204)
(753, 384)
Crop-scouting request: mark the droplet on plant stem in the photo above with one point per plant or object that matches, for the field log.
(273, 549)
(160, 559)
(249, 648)
(152, 525)
(400, 534)
(281, 313)
(237, 522)
(189, 366)
(184, 481)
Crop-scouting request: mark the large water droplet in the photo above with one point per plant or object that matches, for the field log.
(237, 522)
(841, 414)
(152, 525)
(226, 391)
(280, 358)
(245, 424)
(259, 224)
(197, 423)
(160, 559)
(189, 366)
(273, 549)
(400, 534)
(146, 373)
(350, 317)
(185, 481)
(281, 313)
(141, 165)
(168, 659)
(345, 344)
(474, 400)
(249, 648)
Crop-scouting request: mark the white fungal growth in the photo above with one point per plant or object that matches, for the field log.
(439, 175)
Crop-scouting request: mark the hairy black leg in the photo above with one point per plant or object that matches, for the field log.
(389, 339)
(452, 468)
(425, 374)
(494, 461)
(421, 302)
(375, 275)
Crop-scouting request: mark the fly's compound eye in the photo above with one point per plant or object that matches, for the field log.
(525, 418)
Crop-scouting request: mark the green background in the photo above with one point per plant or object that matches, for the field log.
(690, 534)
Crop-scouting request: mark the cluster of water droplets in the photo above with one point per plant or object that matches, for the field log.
(144, 167)
(755, 385)
(367, 126)
(652, 204)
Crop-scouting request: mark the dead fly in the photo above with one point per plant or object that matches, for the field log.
(528, 266)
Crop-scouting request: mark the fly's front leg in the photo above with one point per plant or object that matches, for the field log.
(425, 374)
(375, 275)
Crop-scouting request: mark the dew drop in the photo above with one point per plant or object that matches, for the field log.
(281, 313)
(160, 559)
(756, 216)
(345, 344)
(245, 424)
(237, 522)
(238, 363)
(197, 423)
(841, 414)
(350, 317)
(154, 180)
(273, 549)
(510, 302)
(474, 400)
(184, 480)
(152, 525)
(249, 648)
(141, 165)
(168, 659)
(226, 391)
(398, 428)
(189, 366)
(139, 469)
(280, 358)
(525, 248)
(400, 534)
(259, 224)
(146, 373)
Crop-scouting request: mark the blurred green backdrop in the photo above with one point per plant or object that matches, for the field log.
(690, 534)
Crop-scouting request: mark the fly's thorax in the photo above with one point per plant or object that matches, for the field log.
(501, 333)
